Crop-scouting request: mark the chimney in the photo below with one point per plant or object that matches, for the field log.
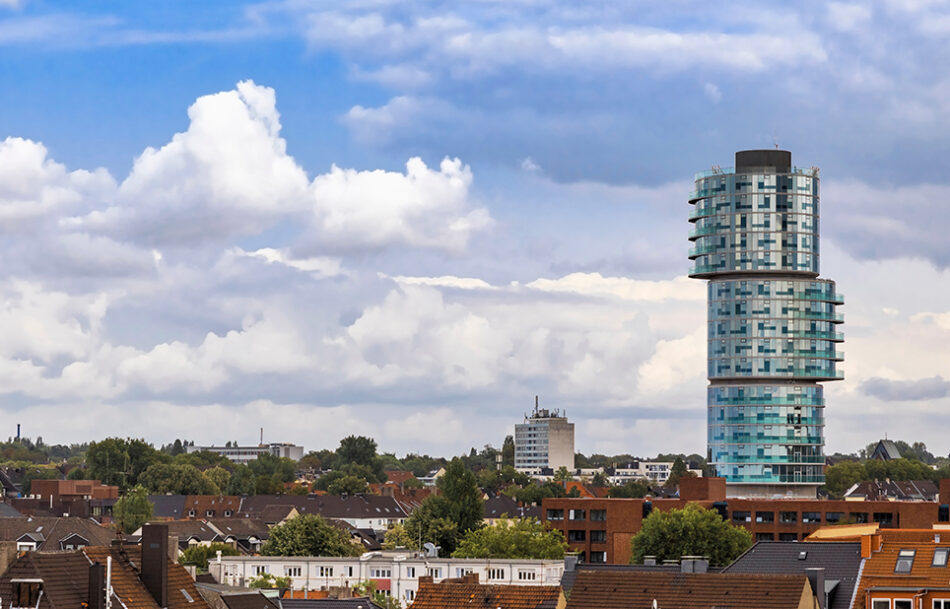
(97, 586)
(155, 561)
(570, 562)
(816, 576)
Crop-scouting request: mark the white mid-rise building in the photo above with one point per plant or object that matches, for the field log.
(657, 472)
(544, 441)
(395, 573)
(246, 454)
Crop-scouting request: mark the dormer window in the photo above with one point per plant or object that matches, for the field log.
(26, 592)
(209, 513)
(227, 513)
(191, 513)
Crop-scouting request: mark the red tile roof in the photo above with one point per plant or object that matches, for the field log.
(456, 594)
(878, 571)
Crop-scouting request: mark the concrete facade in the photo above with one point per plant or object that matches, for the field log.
(544, 441)
(246, 454)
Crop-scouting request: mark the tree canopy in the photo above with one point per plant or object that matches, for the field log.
(691, 531)
(522, 538)
(132, 510)
(200, 555)
(308, 535)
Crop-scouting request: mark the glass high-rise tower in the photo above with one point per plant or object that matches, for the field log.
(772, 326)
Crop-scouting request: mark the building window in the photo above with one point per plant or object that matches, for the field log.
(903, 603)
(530, 576)
(227, 513)
(600, 557)
(859, 517)
(555, 514)
(905, 560)
(434, 572)
(880, 603)
(811, 517)
(940, 557)
(598, 515)
(293, 571)
(261, 569)
(742, 516)
(941, 604)
(576, 535)
(577, 515)
(598, 536)
(764, 537)
(410, 571)
(326, 571)
(387, 573)
(787, 537)
(349, 571)
(496, 574)
(26, 594)
(885, 519)
(765, 516)
(833, 517)
(788, 517)
(410, 595)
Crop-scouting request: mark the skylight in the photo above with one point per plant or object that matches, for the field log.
(940, 557)
(905, 560)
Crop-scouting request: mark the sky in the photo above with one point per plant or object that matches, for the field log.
(405, 220)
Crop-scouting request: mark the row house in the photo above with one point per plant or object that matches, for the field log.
(396, 574)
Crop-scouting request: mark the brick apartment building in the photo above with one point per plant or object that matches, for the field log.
(601, 529)
(81, 498)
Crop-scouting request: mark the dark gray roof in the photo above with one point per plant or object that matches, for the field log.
(901, 490)
(168, 506)
(570, 575)
(50, 532)
(250, 600)
(886, 450)
(8, 511)
(328, 603)
(841, 561)
(499, 505)
(328, 506)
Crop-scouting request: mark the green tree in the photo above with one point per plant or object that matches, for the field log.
(600, 479)
(691, 531)
(308, 535)
(357, 449)
(398, 537)
(219, 476)
(200, 555)
(266, 581)
(427, 524)
(310, 461)
(523, 538)
(132, 510)
(348, 485)
(563, 475)
(242, 481)
(634, 489)
(269, 485)
(677, 472)
(108, 462)
(462, 496)
(842, 476)
(76, 473)
(508, 452)
(271, 465)
(164, 478)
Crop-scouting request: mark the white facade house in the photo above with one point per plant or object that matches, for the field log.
(246, 454)
(395, 573)
(655, 471)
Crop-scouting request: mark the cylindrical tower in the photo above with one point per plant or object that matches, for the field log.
(772, 325)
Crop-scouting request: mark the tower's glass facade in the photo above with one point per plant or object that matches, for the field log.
(772, 324)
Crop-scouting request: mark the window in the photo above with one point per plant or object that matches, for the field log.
(387, 573)
(885, 519)
(434, 572)
(788, 517)
(191, 513)
(295, 571)
(787, 537)
(577, 514)
(326, 571)
(811, 517)
(576, 535)
(530, 576)
(880, 603)
(598, 536)
(833, 517)
(261, 569)
(940, 559)
(555, 514)
(742, 516)
(496, 574)
(765, 517)
(25, 546)
(462, 571)
(410, 571)
(764, 537)
(600, 557)
(598, 515)
(859, 517)
(227, 513)
(410, 595)
(903, 603)
(349, 571)
(905, 560)
(209, 513)
(26, 594)
(941, 604)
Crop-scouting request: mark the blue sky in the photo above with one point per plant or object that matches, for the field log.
(407, 219)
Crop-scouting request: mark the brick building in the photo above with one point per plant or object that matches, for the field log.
(80, 498)
(601, 529)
